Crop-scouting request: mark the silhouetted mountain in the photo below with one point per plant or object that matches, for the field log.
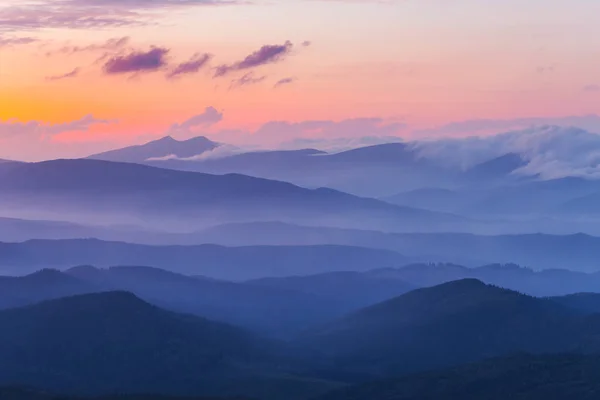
(587, 303)
(231, 263)
(273, 311)
(353, 290)
(160, 148)
(449, 324)
(510, 276)
(116, 343)
(40, 286)
(91, 191)
(577, 252)
(525, 377)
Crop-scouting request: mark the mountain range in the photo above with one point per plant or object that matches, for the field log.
(101, 192)
(233, 263)
(159, 149)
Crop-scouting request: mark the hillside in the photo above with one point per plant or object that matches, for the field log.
(115, 343)
(521, 377)
(449, 324)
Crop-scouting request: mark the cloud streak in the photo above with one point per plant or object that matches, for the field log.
(192, 66)
(267, 54)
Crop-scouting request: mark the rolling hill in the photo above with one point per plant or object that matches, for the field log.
(453, 323)
(114, 342)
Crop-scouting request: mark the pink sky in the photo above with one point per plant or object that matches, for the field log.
(406, 64)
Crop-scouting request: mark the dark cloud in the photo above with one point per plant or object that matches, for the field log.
(245, 80)
(284, 81)
(267, 54)
(71, 74)
(137, 62)
(195, 64)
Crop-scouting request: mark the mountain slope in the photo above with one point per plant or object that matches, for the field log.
(115, 342)
(449, 324)
(40, 286)
(271, 311)
(161, 148)
(372, 171)
(180, 201)
(106, 343)
(523, 377)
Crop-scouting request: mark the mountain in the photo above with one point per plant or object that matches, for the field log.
(576, 252)
(526, 377)
(15, 393)
(586, 303)
(161, 148)
(40, 286)
(230, 263)
(453, 323)
(497, 168)
(182, 201)
(115, 343)
(372, 171)
(269, 310)
(354, 290)
(511, 276)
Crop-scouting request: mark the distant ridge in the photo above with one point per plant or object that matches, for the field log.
(161, 148)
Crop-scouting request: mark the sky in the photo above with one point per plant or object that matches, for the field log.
(83, 76)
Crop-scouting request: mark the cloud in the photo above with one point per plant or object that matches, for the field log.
(551, 151)
(192, 66)
(137, 62)
(328, 134)
(14, 128)
(16, 41)
(284, 81)
(245, 80)
(591, 88)
(267, 54)
(476, 127)
(91, 14)
(211, 116)
(222, 151)
(107, 46)
(71, 74)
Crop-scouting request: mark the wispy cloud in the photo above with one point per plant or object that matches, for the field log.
(16, 41)
(245, 80)
(71, 74)
(284, 81)
(14, 128)
(267, 54)
(192, 66)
